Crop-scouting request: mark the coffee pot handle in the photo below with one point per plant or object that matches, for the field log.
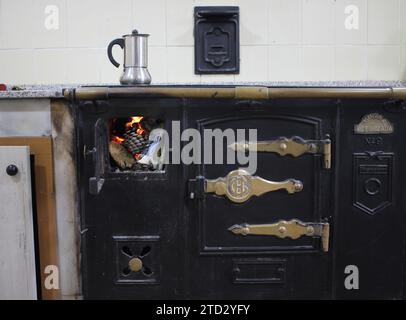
(120, 42)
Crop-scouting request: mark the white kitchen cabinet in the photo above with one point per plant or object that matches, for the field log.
(17, 253)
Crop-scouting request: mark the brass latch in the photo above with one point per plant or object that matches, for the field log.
(293, 229)
(294, 146)
(238, 186)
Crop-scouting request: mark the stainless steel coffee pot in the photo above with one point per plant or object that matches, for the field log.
(135, 46)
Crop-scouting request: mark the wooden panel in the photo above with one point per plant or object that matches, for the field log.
(41, 148)
(17, 252)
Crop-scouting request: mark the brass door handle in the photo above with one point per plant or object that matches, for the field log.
(294, 146)
(238, 186)
(293, 229)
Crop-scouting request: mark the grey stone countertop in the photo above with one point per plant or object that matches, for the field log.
(56, 90)
(33, 91)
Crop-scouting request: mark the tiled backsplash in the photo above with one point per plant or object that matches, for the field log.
(287, 40)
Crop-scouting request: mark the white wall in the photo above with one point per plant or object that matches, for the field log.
(280, 40)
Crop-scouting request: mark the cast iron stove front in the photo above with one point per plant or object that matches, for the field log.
(213, 231)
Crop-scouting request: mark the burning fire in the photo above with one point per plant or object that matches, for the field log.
(140, 130)
(131, 146)
(117, 139)
(136, 120)
(133, 121)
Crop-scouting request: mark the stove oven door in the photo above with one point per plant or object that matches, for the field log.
(266, 234)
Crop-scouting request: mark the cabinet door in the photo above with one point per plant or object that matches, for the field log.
(17, 255)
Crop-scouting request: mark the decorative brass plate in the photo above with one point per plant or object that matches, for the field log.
(373, 123)
(238, 186)
(293, 229)
(294, 146)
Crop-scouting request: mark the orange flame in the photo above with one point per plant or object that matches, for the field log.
(140, 130)
(117, 139)
(134, 120)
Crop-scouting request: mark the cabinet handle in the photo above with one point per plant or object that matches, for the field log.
(11, 170)
(239, 186)
(293, 229)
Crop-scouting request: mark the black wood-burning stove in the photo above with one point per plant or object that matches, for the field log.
(327, 197)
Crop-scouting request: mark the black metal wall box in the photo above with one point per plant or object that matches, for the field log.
(217, 40)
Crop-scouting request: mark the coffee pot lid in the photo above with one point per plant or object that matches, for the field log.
(135, 33)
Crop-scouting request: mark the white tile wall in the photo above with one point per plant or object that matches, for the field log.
(179, 23)
(318, 21)
(286, 40)
(180, 65)
(94, 23)
(53, 59)
(383, 22)
(403, 63)
(109, 73)
(350, 62)
(254, 22)
(158, 64)
(214, 2)
(150, 17)
(402, 13)
(43, 34)
(15, 24)
(254, 63)
(384, 62)
(210, 78)
(82, 64)
(285, 63)
(318, 63)
(16, 65)
(285, 22)
(345, 11)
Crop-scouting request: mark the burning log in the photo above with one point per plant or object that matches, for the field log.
(120, 155)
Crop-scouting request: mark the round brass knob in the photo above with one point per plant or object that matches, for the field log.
(283, 146)
(135, 264)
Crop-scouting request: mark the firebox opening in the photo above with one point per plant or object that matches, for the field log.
(136, 143)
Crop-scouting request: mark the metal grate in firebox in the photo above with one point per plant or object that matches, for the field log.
(137, 144)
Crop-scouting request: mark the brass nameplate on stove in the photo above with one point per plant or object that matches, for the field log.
(373, 123)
